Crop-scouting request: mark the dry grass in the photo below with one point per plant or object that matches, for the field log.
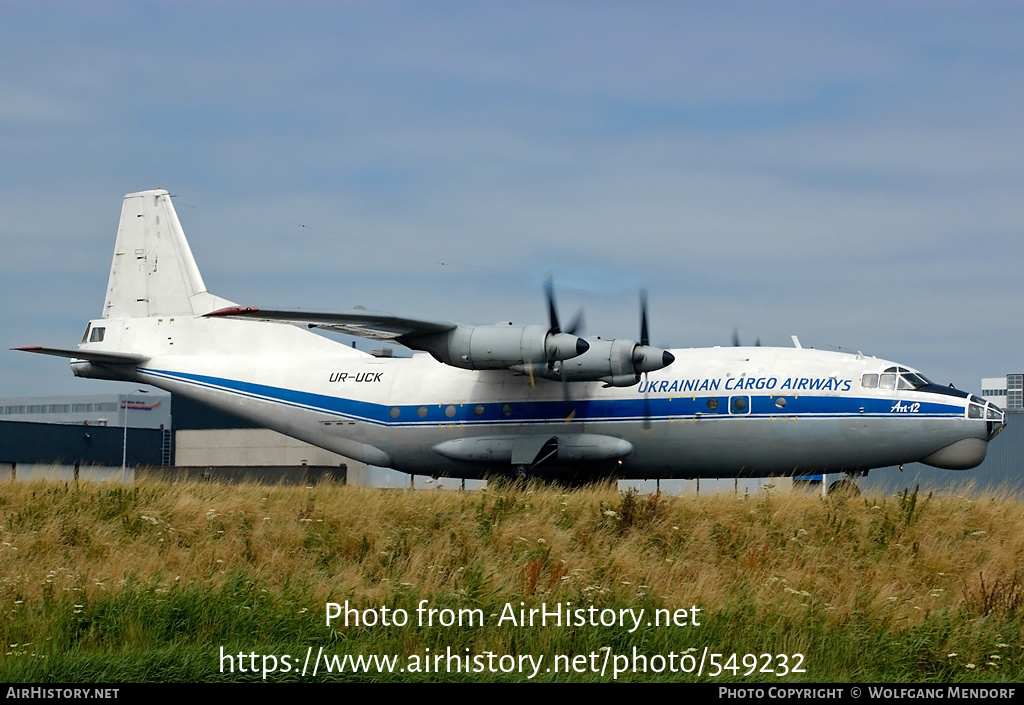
(897, 558)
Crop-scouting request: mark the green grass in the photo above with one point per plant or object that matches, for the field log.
(149, 584)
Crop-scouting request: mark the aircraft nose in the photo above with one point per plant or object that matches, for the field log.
(969, 452)
(995, 418)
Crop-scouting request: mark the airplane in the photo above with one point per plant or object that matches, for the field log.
(512, 400)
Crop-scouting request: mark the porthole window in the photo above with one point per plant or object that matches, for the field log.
(507, 409)
(421, 412)
(478, 409)
(449, 410)
(780, 402)
(395, 411)
(712, 404)
(739, 404)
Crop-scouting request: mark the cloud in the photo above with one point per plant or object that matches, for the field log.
(849, 174)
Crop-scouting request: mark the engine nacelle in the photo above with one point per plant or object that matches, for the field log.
(617, 363)
(647, 358)
(501, 346)
(620, 380)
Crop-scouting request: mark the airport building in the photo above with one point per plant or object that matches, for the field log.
(121, 436)
(135, 410)
(1006, 392)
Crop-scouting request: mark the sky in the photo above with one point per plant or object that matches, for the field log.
(850, 173)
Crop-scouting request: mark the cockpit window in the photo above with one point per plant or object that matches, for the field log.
(895, 378)
(97, 335)
(913, 379)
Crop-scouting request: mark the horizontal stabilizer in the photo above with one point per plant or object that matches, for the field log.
(111, 358)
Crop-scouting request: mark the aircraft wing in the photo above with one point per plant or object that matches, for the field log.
(111, 358)
(362, 324)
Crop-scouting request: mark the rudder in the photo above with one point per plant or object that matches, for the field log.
(153, 272)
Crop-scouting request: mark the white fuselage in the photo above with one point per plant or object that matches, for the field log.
(715, 412)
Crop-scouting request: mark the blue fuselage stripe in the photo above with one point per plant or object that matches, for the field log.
(591, 410)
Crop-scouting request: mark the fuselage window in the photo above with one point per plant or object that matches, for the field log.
(712, 404)
(780, 402)
(869, 381)
(421, 412)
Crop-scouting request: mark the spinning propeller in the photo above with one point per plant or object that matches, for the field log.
(647, 359)
(619, 362)
(555, 333)
(581, 346)
(736, 339)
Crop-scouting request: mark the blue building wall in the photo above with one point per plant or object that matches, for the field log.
(39, 443)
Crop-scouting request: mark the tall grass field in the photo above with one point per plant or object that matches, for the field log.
(213, 583)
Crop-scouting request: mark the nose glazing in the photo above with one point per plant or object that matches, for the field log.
(996, 419)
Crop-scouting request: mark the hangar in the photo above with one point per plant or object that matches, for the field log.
(124, 436)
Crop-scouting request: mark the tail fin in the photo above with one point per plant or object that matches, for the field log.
(153, 272)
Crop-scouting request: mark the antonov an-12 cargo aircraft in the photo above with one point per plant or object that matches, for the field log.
(492, 400)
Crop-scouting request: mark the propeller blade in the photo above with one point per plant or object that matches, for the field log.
(647, 407)
(736, 339)
(549, 291)
(576, 327)
(559, 344)
(644, 337)
(645, 358)
(640, 355)
(567, 398)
